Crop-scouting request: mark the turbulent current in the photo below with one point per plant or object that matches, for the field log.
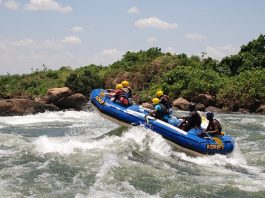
(80, 154)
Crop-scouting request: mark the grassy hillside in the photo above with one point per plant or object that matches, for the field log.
(237, 81)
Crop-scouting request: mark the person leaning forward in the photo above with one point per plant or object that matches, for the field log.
(164, 99)
(118, 95)
(193, 120)
(159, 111)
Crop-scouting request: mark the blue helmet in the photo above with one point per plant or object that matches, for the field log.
(209, 115)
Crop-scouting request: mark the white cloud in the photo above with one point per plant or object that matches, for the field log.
(105, 57)
(10, 4)
(25, 43)
(7, 46)
(111, 53)
(77, 29)
(195, 36)
(47, 5)
(71, 40)
(154, 22)
(19, 56)
(152, 40)
(220, 52)
(133, 10)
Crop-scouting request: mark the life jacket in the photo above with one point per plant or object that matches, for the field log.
(165, 101)
(121, 96)
(161, 112)
(128, 91)
(194, 119)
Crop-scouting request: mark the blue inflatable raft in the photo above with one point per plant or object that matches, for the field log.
(134, 115)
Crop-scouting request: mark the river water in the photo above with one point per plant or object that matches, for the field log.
(80, 154)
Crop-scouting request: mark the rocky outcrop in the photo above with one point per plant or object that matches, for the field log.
(75, 101)
(56, 99)
(147, 105)
(205, 99)
(202, 105)
(12, 107)
(181, 103)
(55, 94)
(63, 98)
(216, 109)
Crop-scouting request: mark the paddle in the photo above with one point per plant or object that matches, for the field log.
(216, 139)
(147, 117)
(102, 94)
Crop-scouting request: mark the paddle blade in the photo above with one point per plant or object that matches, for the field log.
(218, 140)
(102, 94)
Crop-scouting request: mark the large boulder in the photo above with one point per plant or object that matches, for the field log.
(204, 99)
(181, 103)
(76, 101)
(55, 94)
(147, 105)
(216, 109)
(12, 107)
(261, 110)
(200, 107)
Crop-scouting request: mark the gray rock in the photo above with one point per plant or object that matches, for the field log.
(12, 107)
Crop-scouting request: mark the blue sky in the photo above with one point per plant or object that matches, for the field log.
(81, 32)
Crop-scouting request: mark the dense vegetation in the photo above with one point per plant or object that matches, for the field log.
(237, 81)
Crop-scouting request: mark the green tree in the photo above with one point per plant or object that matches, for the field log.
(85, 82)
(251, 56)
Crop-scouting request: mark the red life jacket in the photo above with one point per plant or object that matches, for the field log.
(121, 96)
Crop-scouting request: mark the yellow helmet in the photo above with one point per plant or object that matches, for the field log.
(155, 101)
(125, 83)
(119, 86)
(159, 94)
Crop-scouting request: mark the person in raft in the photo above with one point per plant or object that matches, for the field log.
(127, 90)
(193, 120)
(164, 99)
(214, 127)
(119, 95)
(159, 110)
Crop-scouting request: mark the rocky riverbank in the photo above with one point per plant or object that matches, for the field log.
(56, 99)
(63, 98)
(205, 102)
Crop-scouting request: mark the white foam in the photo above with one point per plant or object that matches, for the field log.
(144, 138)
(69, 145)
(4, 153)
(118, 190)
(60, 116)
(109, 161)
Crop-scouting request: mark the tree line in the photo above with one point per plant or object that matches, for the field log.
(235, 82)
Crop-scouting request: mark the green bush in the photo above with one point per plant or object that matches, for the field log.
(247, 90)
(84, 83)
(188, 82)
